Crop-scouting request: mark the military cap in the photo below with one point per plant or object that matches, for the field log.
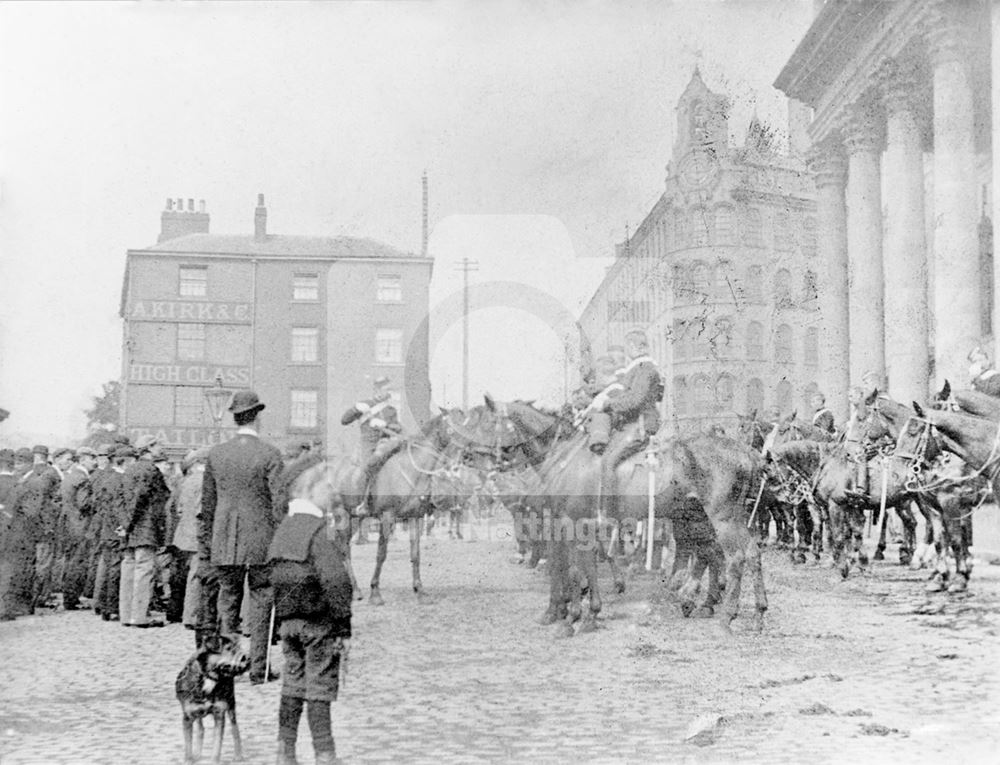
(104, 450)
(6, 455)
(121, 440)
(381, 381)
(85, 451)
(40, 449)
(24, 454)
(61, 451)
(245, 401)
(125, 451)
(145, 443)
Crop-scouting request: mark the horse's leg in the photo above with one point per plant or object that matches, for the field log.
(416, 529)
(838, 521)
(344, 541)
(905, 512)
(953, 520)
(573, 592)
(607, 553)
(558, 565)
(739, 548)
(939, 579)
(456, 519)
(588, 552)
(803, 532)
(880, 545)
(384, 529)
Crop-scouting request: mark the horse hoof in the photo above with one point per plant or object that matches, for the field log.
(935, 585)
(703, 612)
(758, 622)
(587, 625)
(845, 570)
(564, 630)
(722, 628)
(547, 618)
(687, 608)
(863, 559)
(422, 598)
(961, 584)
(376, 599)
(905, 558)
(879, 555)
(620, 587)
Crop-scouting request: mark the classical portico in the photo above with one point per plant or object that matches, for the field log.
(901, 97)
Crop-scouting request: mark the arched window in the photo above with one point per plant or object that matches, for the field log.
(807, 394)
(755, 340)
(755, 285)
(702, 395)
(751, 227)
(811, 343)
(723, 273)
(680, 394)
(700, 280)
(809, 236)
(810, 291)
(678, 340)
(725, 392)
(725, 226)
(783, 396)
(721, 341)
(681, 237)
(699, 227)
(755, 395)
(783, 289)
(782, 231)
(678, 275)
(783, 344)
(699, 338)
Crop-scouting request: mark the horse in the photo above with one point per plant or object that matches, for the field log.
(754, 433)
(700, 479)
(970, 402)
(422, 470)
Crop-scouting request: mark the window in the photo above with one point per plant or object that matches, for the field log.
(783, 344)
(810, 292)
(723, 272)
(725, 392)
(700, 280)
(783, 396)
(699, 227)
(678, 338)
(755, 284)
(193, 281)
(680, 230)
(812, 347)
(751, 228)
(782, 231)
(783, 289)
(305, 345)
(680, 391)
(702, 395)
(190, 342)
(722, 338)
(755, 395)
(189, 406)
(388, 346)
(755, 340)
(725, 227)
(809, 236)
(304, 410)
(699, 340)
(305, 287)
(679, 274)
(389, 289)
(807, 395)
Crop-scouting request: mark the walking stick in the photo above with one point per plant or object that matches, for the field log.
(882, 502)
(270, 637)
(651, 464)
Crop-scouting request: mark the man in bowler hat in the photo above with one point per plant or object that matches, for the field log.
(238, 518)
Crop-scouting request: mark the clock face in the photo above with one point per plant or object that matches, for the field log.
(698, 170)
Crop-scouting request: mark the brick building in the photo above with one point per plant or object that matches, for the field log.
(306, 321)
(721, 273)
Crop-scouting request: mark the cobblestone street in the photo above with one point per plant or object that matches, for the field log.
(870, 670)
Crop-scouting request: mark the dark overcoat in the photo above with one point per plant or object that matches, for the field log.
(238, 509)
(145, 493)
(77, 505)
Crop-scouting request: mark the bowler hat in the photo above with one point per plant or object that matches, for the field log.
(40, 449)
(85, 451)
(24, 454)
(104, 450)
(145, 443)
(381, 381)
(245, 401)
(122, 440)
(61, 451)
(125, 451)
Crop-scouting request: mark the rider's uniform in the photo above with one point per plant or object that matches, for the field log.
(380, 429)
(823, 419)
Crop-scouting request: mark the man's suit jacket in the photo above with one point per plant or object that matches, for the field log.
(39, 500)
(76, 503)
(145, 493)
(238, 508)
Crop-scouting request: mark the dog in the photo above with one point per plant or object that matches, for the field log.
(205, 686)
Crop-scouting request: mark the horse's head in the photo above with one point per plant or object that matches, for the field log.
(752, 431)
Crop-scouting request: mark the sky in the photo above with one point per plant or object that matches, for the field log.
(543, 127)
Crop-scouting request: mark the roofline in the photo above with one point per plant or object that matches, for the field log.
(265, 256)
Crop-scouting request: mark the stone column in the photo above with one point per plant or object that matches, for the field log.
(957, 311)
(828, 163)
(905, 257)
(863, 140)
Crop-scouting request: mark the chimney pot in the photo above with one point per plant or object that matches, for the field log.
(170, 204)
(180, 205)
(190, 205)
(260, 200)
(201, 205)
(260, 220)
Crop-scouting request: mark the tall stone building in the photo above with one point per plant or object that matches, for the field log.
(721, 274)
(309, 322)
(904, 96)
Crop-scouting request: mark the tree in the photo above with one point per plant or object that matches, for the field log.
(104, 417)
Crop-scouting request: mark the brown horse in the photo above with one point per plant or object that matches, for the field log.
(717, 473)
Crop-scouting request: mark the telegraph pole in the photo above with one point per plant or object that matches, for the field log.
(465, 266)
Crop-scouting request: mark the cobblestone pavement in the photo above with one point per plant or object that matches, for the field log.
(868, 670)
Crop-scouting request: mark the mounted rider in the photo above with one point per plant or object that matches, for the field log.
(605, 386)
(633, 412)
(822, 416)
(984, 378)
(859, 439)
(380, 428)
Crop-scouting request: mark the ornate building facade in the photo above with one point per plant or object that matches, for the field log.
(721, 273)
(902, 127)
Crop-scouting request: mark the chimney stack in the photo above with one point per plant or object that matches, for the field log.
(175, 221)
(260, 220)
(423, 247)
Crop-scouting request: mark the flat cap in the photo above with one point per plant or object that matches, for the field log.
(24, 453)
(125, 451)
(40, 449)
(61, 451)
(85, 451)
(104, 450)
(145, 443)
